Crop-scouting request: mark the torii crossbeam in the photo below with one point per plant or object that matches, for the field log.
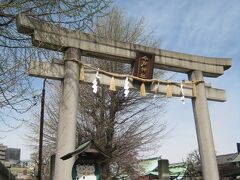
(75, 44)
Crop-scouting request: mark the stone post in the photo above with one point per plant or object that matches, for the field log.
(163, 169)
(52, 166)
(203, 129)
(66, 137)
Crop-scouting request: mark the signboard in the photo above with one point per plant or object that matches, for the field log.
(143, 65)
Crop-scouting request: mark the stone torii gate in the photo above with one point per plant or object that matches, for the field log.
(75, 44)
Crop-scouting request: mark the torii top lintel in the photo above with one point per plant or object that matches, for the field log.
(47, 35)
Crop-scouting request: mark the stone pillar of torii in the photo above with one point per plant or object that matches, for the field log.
(75, 44)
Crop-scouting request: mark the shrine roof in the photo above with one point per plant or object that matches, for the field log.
(226, 158)
(237, 158)
(88, 146)
(150, 167)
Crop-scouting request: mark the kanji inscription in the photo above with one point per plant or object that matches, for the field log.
(143, 65)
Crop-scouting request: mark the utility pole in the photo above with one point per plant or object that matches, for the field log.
(41, 132)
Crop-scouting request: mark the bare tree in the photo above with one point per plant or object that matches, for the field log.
(124, 127)
(193, 163)
(16, 92)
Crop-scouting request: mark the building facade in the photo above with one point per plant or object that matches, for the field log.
(3, 152)
(11, 155)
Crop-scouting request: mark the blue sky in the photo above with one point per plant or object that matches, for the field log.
(201, 27)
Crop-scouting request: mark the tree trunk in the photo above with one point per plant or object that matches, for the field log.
(105, 175)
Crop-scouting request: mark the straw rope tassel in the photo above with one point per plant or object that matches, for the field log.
(169, 90)
(194, 90)
(112, 86)
(82, 75)
(156, 88)
(142, 90)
